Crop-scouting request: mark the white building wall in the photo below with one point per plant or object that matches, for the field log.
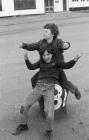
(58, 5)
(8, 9)
(79, 3)
(7, 5)
(67, 6)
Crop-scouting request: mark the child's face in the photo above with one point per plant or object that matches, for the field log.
(47, 34)
(47, 57)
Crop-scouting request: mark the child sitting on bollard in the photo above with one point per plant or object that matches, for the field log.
(45, 86)
(51, 40)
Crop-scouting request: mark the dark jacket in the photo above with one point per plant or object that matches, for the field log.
(56, 45)
(49, 71)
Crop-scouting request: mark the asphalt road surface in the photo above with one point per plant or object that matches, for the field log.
(15, 77)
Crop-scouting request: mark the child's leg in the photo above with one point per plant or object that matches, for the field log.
(67, 84)
(49, 107)
(74, 89)
(31, 99)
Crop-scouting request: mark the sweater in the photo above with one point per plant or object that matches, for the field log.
(49, 71)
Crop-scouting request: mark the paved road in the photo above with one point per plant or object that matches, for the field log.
(15, 78)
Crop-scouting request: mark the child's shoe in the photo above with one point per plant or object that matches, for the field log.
(49, 134)
(20, 128)
(77, 94)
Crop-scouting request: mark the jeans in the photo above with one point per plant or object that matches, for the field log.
(47, 90)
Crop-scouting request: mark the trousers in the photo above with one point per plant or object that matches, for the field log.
(47, 91)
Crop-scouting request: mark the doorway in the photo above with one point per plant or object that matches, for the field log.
(0, 5)
(49, 5)
(64, 5)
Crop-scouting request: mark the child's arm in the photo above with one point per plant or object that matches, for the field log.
(68, 65)
(31, 46)
(29, 64)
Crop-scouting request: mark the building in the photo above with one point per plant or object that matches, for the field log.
(29, 7)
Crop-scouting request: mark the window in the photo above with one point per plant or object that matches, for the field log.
(75, 0)
(24, 4)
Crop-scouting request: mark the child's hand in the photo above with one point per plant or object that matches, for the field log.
(26, 55)
(77, 58)
(22, 45)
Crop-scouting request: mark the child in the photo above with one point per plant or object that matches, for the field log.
(50, 33)
(45, 86)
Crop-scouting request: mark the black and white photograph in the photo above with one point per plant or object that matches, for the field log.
(44, 70)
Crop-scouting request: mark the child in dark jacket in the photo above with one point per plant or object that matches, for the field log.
(45, 86)
(50, 40)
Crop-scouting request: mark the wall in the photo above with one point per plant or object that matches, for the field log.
(79, 3)
(8, 9)
(58, 5)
